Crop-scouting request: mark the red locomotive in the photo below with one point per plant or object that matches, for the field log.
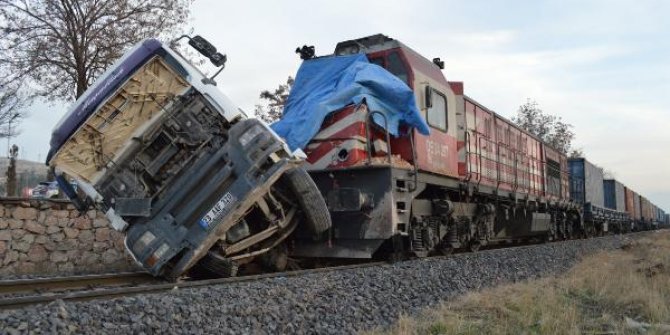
(477, 179)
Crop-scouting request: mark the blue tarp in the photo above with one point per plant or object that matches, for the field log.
(324, 85)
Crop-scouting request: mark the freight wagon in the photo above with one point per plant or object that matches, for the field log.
(615, 201)
(614, 195)
(475, 179)
(637, 204)
(603, 200)
(659, 215)
(630, 205)
(646, 210)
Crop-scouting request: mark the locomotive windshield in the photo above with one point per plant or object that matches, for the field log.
(393, 63)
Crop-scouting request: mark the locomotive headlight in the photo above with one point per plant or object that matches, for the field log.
(250, 134)
(143, 242)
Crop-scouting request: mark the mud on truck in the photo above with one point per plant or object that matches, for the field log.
(193, 183)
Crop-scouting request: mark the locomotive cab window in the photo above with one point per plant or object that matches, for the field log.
(392, 63)
(436, 103)
(377, 61)
(397, 67)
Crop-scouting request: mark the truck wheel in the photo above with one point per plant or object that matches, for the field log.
(218, 265)
(317, 218)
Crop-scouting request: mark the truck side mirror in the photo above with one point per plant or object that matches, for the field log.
(218, 59)
(202, 46)
(208, 50)
(428, 99)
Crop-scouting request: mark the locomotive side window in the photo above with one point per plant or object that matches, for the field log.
(437, 112)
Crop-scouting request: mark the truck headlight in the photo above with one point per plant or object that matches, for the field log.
(143, 242)
(250, 134)
(157, 254)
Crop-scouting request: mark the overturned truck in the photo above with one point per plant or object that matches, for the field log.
(173, 163)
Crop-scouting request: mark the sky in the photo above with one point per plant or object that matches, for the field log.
(602, 66)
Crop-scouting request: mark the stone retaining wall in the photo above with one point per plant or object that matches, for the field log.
(52, 238)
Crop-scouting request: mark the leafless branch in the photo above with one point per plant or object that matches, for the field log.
(61, 46)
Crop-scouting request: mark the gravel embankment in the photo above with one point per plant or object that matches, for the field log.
(341, 302)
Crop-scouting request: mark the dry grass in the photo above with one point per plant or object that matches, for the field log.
(594, 297)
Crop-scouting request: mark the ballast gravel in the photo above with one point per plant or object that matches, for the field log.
(338, 302)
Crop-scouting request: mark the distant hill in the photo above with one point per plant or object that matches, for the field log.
(22, 166)
(29, 173)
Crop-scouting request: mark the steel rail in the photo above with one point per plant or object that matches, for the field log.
(23, 301)
(14, 286)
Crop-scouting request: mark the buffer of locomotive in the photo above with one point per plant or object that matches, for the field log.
(476, 179)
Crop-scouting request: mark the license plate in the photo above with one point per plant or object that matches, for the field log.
(219, 208)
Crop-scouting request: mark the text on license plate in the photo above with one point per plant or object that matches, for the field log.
(217, 210)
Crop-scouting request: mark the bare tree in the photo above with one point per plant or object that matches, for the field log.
(272, 108)
(62, 46)
(608, 174)
(576, 153)
(549, 128)
(11, 110)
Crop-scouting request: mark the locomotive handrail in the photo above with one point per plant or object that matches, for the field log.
(525, 161)
(497, 165)
(468, 175)
(479, 159)
(482, 157)
(517, 177)
(368, 138)
(527, 171)
(505, 166)
(532, 163)
(414, 162)
(477, 154)
(488, 159)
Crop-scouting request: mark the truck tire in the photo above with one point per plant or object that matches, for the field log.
(316, 216)
(218, 265)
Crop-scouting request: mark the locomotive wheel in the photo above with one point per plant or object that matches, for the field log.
(317, 218)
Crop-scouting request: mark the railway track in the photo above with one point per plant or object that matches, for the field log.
(26, 292)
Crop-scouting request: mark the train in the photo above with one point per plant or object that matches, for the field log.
(476, 179)
(377, 156)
